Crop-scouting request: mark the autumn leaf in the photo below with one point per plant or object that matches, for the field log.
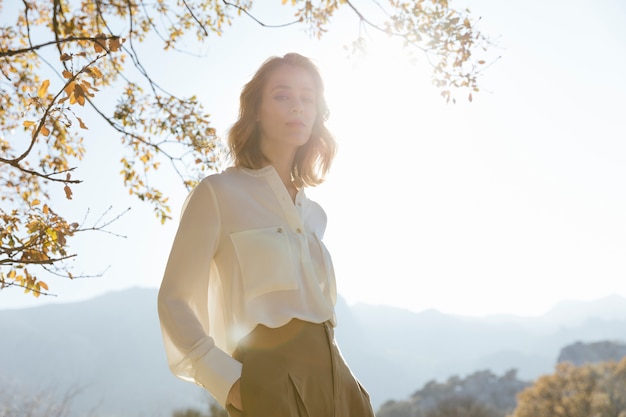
(95, 72)
(82, 125)
(68, 192)
(115, 44)
(144, 118)
(43, 90)
(98, 44)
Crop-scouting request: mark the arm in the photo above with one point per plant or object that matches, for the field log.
(182, 304)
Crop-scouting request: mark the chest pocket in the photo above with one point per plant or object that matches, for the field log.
(266, 261)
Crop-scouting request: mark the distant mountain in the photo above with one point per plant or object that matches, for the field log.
(431, 345)
(111, 347)
(488, 395)
(581, 353)
(484, 393)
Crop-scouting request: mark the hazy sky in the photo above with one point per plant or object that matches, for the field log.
(507, 204)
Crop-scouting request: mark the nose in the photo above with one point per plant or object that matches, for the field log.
(297, 106)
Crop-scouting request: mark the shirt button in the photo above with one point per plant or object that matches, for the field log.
(299, 204)
(299, 230)
(279, 230)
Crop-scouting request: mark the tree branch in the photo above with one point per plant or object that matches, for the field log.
(190, 10)
(99, 39)
(244, 11)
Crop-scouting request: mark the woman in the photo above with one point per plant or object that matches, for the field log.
(247, 299)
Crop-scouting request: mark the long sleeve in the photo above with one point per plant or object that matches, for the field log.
(182, 303)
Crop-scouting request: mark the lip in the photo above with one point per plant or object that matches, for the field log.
(296, 122)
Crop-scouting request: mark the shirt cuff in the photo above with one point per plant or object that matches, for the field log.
(216, 372)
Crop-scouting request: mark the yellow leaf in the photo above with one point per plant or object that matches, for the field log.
(68, 192)
(43, 90)
(35, 202)
(95, 72)
(114, 44)
(82, 125)
(45, 209)
(69, 88)
(11, 274)
(28, 123)
(43, 285)
(45, 131)
(99, 43)
(67, 74)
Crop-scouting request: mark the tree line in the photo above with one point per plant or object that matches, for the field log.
(592, 389)
(58, 57)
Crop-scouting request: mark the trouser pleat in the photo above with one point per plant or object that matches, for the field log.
(297, 370)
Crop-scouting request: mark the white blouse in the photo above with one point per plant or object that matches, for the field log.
(244, 254)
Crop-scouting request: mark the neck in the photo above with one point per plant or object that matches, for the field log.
(282, 161)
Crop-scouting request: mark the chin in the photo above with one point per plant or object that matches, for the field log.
(299, 141)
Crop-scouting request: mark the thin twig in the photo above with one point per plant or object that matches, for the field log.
(244, 11)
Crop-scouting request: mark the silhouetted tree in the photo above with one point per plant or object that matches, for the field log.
(462, 407)
(215, 410)
(481, 394)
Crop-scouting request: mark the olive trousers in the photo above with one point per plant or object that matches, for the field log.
(297, 371)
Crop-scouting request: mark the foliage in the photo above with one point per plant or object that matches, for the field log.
(577, 391)
(462, 407)
(215, 410)
(581, 353)
(479, 394)
(35, 403)
(57, 56)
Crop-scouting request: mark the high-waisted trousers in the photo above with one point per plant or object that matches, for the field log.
(297, 371)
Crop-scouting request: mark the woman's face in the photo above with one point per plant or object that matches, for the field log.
(288, 108)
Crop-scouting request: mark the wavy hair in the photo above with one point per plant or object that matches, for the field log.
(313, 159)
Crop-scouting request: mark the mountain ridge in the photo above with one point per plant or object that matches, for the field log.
(112, 346)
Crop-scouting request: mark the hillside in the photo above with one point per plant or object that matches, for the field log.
(111, 348)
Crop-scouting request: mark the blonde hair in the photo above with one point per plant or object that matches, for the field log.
(313, 159)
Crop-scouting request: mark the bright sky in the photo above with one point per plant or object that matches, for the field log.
(507, 204)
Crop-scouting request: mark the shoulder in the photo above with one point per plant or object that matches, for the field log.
(227, 178)
(316, 215)
(217, 183)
